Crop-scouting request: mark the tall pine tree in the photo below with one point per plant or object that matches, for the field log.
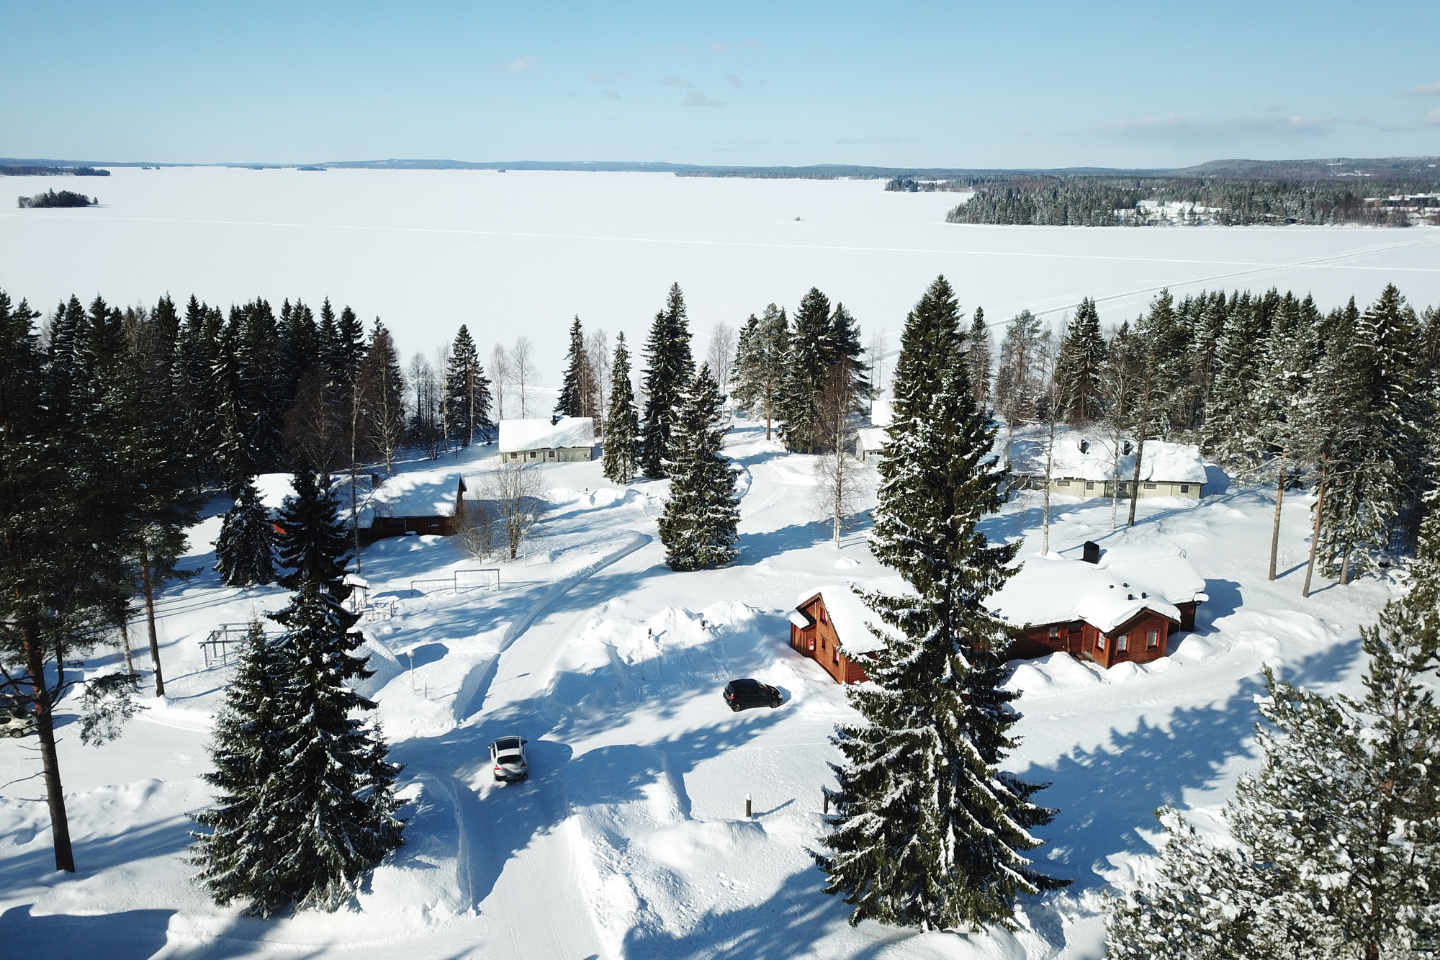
(698, 525)
(927, 832)
(575, 384)
(622, 421)
(667, 377)
(467, 390)
(1079, 367)
(760, 358)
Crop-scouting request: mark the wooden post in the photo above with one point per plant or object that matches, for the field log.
(825, 803)
(747, 807)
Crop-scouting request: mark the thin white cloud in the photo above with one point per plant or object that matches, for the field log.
(612, 94)
(1425, 90)
(679, 82)
(522, 65)
(608, 77)
(1178, 126)
(875, 138)
(1432, 119)
(697, 99)
(733, 80)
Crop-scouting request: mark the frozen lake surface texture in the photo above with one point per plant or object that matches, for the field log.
(523, 252)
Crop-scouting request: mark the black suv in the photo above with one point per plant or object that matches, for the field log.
(740, 694)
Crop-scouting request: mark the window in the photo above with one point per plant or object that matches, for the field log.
(835, 655)
(550, 454)
(1099, 641)
(1122, 643)
(1149, 486)
(1054, 632)
(1089, 484)
(1152, 639)
(1184, 488)
(1062, 483)
(532, 454)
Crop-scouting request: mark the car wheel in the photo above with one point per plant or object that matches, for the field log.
(774, 703)
(734, 708)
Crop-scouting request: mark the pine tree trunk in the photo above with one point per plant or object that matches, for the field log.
(125, 644)
(1315, 536)
(50, 761)
(149, 590)
(1135, 485)
(1275, 531)
(1345, 566)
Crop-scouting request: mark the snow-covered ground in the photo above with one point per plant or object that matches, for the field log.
(630, 838)
(523, 252)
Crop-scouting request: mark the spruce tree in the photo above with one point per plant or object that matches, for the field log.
(667, 377)
(1338, 838)
(622, 421)
(318, 810)
(1079, 367)
(467, 390)
(812, 351)
(927, 832)
(760, 364)
(245, 549)
(573, 386)
(698, 525)
(978, 354)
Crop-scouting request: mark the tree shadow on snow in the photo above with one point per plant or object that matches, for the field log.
(1105, 795)
(489, 826)
(94, 855)
(790, 923)
(132, 935)
(755, 547)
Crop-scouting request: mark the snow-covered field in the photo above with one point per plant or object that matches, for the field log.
(630, 838)
(523, 252)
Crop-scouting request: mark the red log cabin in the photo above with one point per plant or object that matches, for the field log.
(1124, 608)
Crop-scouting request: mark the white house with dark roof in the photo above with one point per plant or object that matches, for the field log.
(1086, 466)
(540, 441)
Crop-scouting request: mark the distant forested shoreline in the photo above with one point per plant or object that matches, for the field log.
(1136, 201)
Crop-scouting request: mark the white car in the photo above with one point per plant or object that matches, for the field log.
(507, 757)
(15, 720)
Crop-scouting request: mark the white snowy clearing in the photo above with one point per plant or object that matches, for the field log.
(630, 838)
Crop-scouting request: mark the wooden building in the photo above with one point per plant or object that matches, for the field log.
(1123, 607)
(828, 626)
(543, 441)
(1080, 466)
(1109, 610)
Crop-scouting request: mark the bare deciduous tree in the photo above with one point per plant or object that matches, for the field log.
(721, 355)
(877, 363)
(514, 489)
(478, 528)
(500, 377)
(597, 349)
(838, 473)
(522, 372)
(424, 425)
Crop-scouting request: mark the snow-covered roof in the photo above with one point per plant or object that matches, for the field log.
(849, 615)
(517, 436)
(882, 411)
(1081, 457)
(870, 438)
(1060, 589)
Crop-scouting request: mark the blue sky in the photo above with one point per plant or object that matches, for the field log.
(945, 84)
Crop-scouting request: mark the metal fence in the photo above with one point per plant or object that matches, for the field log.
(461, 581)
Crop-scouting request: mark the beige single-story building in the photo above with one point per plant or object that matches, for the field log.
(540, 441)
(1088, 466)
(868, 441)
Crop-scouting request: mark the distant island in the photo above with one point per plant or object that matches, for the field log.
(64, 198)
(44, 170)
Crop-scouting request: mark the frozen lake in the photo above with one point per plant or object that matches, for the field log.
(523, 252)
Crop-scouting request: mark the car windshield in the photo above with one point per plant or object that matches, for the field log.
(509, 743)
